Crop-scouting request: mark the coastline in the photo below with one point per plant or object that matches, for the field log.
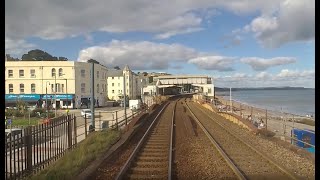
(279, 122)
(246, 109)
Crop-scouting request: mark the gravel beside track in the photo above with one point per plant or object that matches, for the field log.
(300, 166)
(194, 156)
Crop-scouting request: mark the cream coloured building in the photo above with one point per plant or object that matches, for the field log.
(35, 82)
(116, 84)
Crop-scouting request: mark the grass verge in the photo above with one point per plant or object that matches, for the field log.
(308, 122)
(25, 122)
(73, 162)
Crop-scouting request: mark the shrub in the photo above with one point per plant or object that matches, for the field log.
(17, 113)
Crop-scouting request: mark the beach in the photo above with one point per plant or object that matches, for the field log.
(279, 122)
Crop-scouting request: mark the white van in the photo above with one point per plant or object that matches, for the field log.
(86, 113)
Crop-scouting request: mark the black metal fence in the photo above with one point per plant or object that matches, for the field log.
(29, 150)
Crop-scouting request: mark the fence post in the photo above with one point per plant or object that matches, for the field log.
(132, 113)
(293, 121)
(85, 126)
(28, 139)
(75, 129)
(100, 126)
(266, 119)
(69, 132)
(117, 120)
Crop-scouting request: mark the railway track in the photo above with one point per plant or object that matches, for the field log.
(245, 160)
(152, 156)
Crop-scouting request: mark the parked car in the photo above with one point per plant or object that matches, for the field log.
(86, 113)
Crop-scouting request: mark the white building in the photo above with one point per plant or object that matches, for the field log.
(116, 84)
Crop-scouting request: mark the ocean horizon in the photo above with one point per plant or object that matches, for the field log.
(295, 101)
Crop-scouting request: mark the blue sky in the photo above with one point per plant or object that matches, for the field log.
(238, 43)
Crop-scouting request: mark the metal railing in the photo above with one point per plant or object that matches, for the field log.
(31, 149)
(280, 123)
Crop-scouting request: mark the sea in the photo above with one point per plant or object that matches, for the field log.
(295, 101)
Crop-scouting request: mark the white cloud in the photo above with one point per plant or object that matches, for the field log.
(219, 63)
(293, 20)
(175, 32)
(260, 64)
(17, 47)
(294, 78)
(289, 74)
(59, 19)
(138, 55)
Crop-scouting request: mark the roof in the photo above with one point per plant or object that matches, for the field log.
(165, 86)
(114, 73)
(181, 76)
(126, 68)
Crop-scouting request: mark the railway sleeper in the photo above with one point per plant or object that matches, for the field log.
(153, 154)
(152, 159)
(149, 171)
(158, 143)
(148, 146)
(142, 176)
(155, 150)
(150, 164)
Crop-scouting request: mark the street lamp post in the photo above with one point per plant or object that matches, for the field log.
(47, 98)
(55, 95)
(67, 93)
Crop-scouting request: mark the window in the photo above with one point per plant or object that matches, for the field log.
(62, 88)
(10, 73)
(112, 91)
(53, 72)
(83, 87)
(60, 72)
(21, 88)
(97, 88)
(52, 88)
(209, 90)
(32, 72)
(33, 88)
(10, 88)
(118, 84)
(102, 86)
(21, 73)
(105, 87)
(58, 87)
(127, 84)
(105, 75)
(98, 74)
(112, 84)
(118, 91)
(83, 73)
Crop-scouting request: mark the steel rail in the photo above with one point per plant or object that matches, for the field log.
(136, 150)
(216, 145)
(251, 147)
(171, 142)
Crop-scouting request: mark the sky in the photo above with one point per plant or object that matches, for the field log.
(239, 43)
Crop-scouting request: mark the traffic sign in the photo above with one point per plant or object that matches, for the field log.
(9, 121)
